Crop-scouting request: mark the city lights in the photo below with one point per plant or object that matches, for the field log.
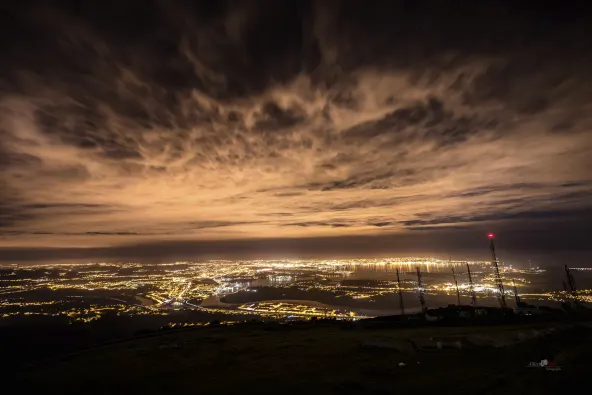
(91, 291)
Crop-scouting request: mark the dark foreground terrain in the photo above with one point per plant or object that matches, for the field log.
(327, 358)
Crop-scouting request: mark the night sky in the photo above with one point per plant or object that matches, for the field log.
(294, 128)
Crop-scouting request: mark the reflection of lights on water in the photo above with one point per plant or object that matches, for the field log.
(278, 280)
(478, 288)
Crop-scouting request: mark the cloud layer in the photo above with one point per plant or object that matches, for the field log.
(126, 123)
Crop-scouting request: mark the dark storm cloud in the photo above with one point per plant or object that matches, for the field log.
(17, 233)
(500, 188)
(381, 224)
(319, 223)
(216, 224)
(552, 214)
(274, 118)
(276, 214)
(170, 120)
(10, 159)
(111, 233)
(430, 115)
(64, 205)
(441, 228)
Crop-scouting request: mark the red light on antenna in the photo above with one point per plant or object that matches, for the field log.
(490, 235)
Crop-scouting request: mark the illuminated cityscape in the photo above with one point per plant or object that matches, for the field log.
(194, 292)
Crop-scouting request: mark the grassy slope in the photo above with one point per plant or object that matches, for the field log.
(315, 359)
